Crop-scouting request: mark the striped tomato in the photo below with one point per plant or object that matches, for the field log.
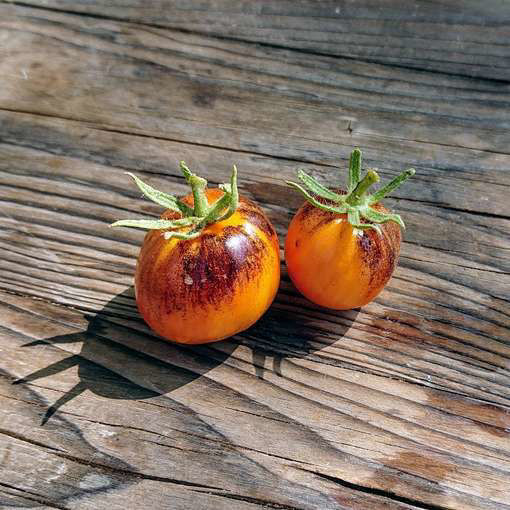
(210, 267)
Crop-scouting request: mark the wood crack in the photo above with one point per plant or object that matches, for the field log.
(263, 502)
(108, 129)
(32, 496)
(379, 492)
(265, 44)
(103, 467)
(474, 268)
(203, 438)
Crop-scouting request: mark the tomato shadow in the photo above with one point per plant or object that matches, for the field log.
(70, 480)
(294, 328)
(120, 358)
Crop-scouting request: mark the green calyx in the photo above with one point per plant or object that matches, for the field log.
(197, 217)
(357, 203)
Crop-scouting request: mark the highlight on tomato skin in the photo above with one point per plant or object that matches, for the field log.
(209, 267)
(342, 247)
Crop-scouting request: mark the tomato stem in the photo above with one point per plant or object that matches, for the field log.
(358, 193)
(356, 204)
(354, 169)
(194, 219)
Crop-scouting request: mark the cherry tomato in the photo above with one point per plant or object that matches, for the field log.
(205, 282)
(342, 248)
(334, 267)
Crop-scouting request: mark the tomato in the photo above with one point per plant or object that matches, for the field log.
(342, 247)
(332, 266)
(205, 280)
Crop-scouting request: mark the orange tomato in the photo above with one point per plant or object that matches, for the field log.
(213, 286)
(342, 247)
(334, 267)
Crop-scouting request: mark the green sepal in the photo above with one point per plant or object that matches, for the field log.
(316, 187)
(171, 234)
(161, 198)
(392, 185)
(356, 203)
(353, 217)
(233, 195)
(198, 217)
(377, 217)
(198, 187)
(156, 224)
(340, 209)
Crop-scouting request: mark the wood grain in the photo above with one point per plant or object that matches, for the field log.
(403, 404)
(458, 37)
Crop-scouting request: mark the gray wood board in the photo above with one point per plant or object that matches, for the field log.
(403, 404)
(465, 37)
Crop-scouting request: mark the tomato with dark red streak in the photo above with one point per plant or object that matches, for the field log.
(342, 248)
(209, 268)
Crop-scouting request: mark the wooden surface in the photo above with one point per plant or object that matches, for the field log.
(404, 404)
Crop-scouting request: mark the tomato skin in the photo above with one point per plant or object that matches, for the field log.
(214, 286)
(332, 266)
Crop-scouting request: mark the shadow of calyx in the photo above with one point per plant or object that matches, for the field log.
(121, 358)
(294, 331)
(55, 477)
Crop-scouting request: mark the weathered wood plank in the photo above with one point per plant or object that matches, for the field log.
(451, 307)
(162, 430)
(455, 361)
(327, 431)
(185, 87)
(468, 38)
(451, 231)
(60, 467)
(193, 88)
(404, 404)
